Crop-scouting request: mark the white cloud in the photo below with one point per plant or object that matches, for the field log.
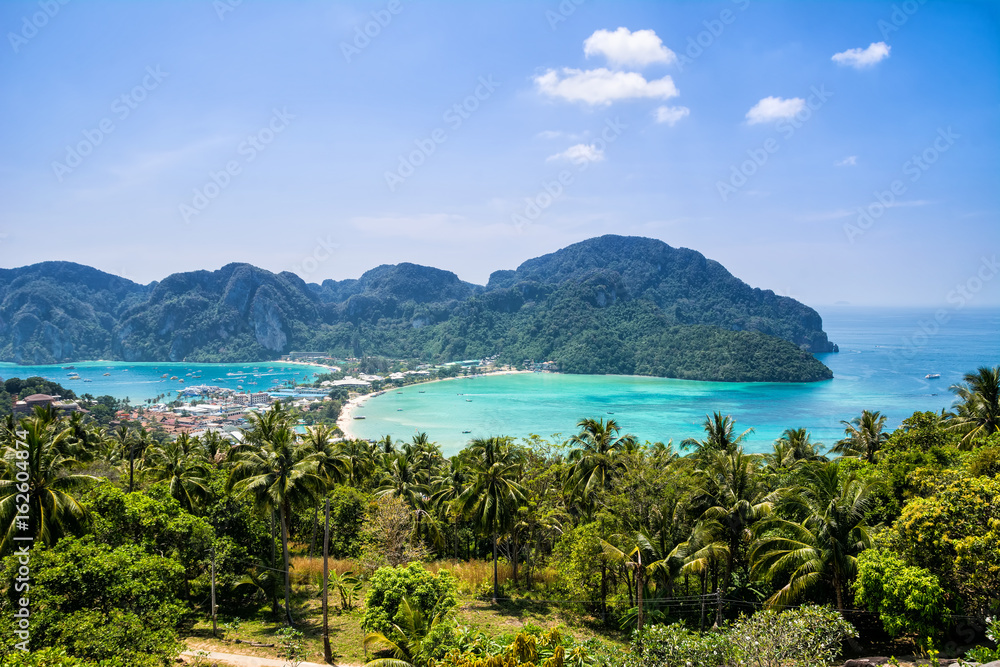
(549, 134)
(849, 161)
(861, 58)
(602, 86)
(774, 108)
(622, 47)
(670, 115)
(579, 154)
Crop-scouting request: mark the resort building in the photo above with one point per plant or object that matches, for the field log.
(28, 405)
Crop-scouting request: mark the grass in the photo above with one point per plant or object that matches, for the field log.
(346, 636)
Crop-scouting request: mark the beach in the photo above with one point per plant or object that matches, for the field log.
(347, 412)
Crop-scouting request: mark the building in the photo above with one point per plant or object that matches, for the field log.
(28, 405)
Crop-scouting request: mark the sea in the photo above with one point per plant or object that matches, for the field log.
(884, 359)
(140, 382)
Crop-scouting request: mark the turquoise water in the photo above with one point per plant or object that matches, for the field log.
(141, 381)
(884, 356)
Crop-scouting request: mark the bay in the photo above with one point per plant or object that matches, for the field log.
(884, 357)
(141, 381)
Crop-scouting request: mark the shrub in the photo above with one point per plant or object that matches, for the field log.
(389, 585)
(676, 646)
(809, 636)
(906, 598)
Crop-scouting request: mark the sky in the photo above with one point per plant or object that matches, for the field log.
(835, 152)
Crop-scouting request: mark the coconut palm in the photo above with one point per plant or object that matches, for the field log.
(737, 497)
(820, 550)
(977, 410)
(593, 458)
(719, 435)
(279, 473)
(864, 436)
(332, 466)
(408, 640)
(38, 462)
(184, 469)
(494, 492)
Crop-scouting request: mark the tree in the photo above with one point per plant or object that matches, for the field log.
(907, 599)
(864, 436)
(390, 586)
(719, 436)
(412, 640)
(494, 492)
(822, 549)
(593, 460)
(186, 473)
(38, 462)
(738, 498)
(280, 474)
(977, 410)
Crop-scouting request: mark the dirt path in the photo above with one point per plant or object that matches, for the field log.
(252, 660)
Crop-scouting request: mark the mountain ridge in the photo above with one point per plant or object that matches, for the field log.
(610, 304)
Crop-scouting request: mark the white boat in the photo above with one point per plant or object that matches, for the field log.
(359, 417)
(932, 376)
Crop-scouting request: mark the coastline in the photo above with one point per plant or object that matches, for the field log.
(346, 417)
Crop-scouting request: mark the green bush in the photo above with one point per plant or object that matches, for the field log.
(676, 646)
(389, 585)
(907, 599)
(807, 636)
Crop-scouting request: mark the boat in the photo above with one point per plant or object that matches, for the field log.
(466, 431)
(165, 375)
(932, 376)
(468, 400)
(72, 373)
(107, 374)
(359, 417)
(172, 377)
(68, 368)
(422, 392)
(87, 380)
(399, 409)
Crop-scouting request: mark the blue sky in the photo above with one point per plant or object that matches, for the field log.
(145, 138)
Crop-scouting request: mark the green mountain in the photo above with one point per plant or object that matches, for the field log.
(611, 304)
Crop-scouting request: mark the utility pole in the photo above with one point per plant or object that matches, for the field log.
(327, 654)
(215, 628)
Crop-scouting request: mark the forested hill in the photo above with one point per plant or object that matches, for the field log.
(612, 304)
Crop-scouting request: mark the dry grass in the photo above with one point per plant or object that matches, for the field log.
(306, 570)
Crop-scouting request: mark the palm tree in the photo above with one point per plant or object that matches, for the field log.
(331, 466)
(977, 410)
(821, 550)
(38, 460)
(593, 460)
(279, 473)
(362, 459)
(864, 436)
(408, 644)
(737, 498)
(719, 435)
(494, 492)
(800, 445)
(185, 470)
